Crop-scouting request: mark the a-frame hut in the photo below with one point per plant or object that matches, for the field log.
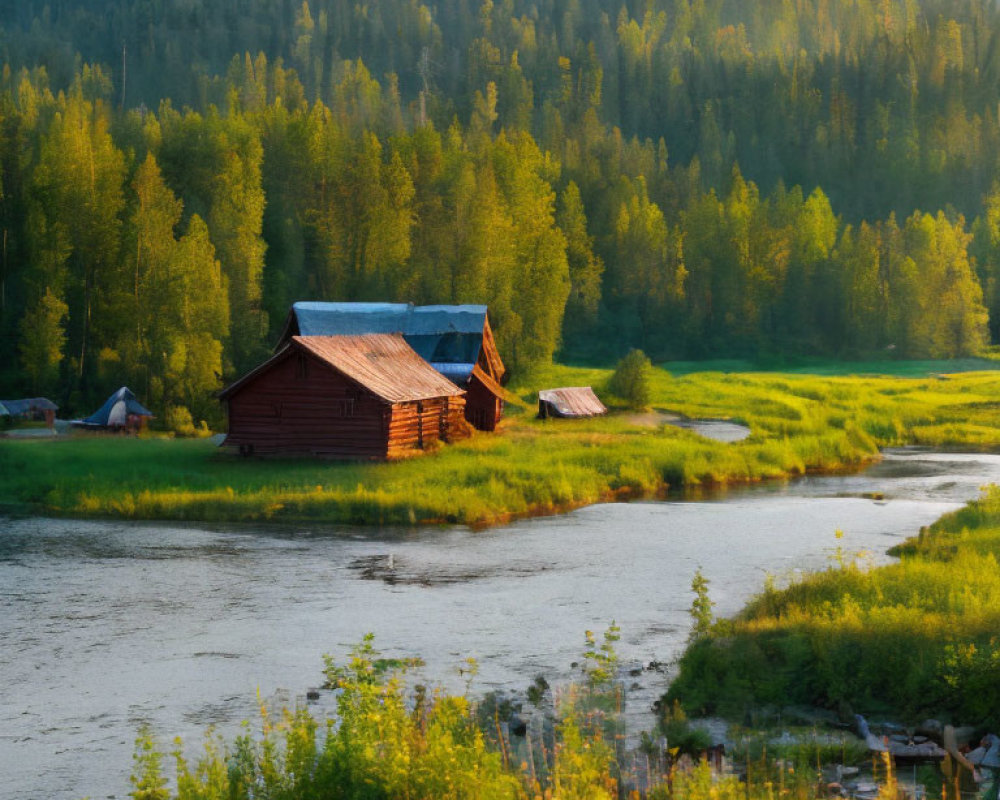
(456, 340)
(121, 411)
(368, 397)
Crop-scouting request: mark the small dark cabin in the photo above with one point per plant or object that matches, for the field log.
(368, 397)
(455, 340)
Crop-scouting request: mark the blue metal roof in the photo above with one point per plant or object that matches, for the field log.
(29, 404)
(346, 319)
(440, 334)
(456, 372)
(350, 319)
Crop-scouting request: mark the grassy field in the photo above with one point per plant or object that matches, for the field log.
(919, 637)
(798, 423)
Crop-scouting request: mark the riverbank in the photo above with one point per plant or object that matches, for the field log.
(217, 616)
(799, 424)
(909, 640)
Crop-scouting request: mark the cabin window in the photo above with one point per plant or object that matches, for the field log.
(343, 408)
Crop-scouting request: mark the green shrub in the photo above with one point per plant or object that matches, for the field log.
(630, 380)
(680, 734)
(178, 419)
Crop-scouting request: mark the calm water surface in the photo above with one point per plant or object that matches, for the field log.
(106, 625)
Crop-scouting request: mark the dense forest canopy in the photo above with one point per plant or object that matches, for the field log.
(693, 177)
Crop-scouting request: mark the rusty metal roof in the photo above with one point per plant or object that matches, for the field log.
(383, 363)
(573, 401)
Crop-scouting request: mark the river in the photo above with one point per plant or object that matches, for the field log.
(105, 626)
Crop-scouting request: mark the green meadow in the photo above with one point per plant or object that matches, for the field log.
(799, 423)
(916, 638)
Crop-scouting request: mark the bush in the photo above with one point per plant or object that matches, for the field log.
(630, 380)
(178, 419)
(680, 734)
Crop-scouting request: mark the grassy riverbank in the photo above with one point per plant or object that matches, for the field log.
(915, 638)
(388, 740)
(798, 423)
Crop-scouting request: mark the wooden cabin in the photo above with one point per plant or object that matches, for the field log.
(367, 397)
(457, 341)
(569, 402)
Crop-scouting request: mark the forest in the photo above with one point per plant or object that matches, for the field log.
(696, 178)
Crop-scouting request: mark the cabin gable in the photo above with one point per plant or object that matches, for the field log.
(302, 405)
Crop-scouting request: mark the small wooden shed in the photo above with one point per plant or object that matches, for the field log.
(368, 397)
(569, 401)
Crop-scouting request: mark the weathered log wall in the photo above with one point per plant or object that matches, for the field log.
(301, 405)
(417, 425)
(484, 407)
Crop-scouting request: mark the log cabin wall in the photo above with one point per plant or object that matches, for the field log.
(454, 424)
(484, 401)
(483, 408)
(301, 405)
(418, 424)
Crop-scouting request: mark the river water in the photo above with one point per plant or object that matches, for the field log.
(105, 626)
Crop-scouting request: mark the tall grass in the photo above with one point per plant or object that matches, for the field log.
(387, 740)
(798, 424)
(919, 637)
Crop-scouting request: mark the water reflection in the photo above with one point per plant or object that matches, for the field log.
(104, 626)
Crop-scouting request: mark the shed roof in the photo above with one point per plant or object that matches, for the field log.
(15, 407)
(573, 401)
(383, 363)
